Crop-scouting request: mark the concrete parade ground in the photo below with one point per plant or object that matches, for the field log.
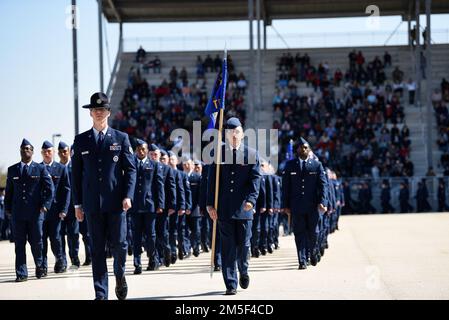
(398, 256)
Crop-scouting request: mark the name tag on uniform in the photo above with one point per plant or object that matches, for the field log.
(84, 152)
(15, 178)
(115, 148)
(193, 184)
(312, 172)
(292, 173)
(34, 177)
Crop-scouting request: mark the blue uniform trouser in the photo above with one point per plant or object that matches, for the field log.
(162, 244)
(205, 229)
(107, 227)
(306, 229)
(187, 235)
(270, 233)
(264, 229)
(256, 231)
(194, 224)
(173, 232)
(183, 245)
(325, 229)
(275, 226)
(32, 230)
(129, 230)
(70, 228)
(86, 238)
(52, 231)
(144, 223)
(235, 245)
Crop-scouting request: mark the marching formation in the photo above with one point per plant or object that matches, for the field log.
(125, 201)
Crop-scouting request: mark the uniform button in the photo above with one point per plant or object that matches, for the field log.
(303, 187)
(232, 172)
(140, 191)
(100, 179)
(24, 184)
(302, 180)
(140, 184)
(99, 169)
(99, 160)
(23, 198)
(232, 181)
(24, 191)
(231, 190)
(303, 193)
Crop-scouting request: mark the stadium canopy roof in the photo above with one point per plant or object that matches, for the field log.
(227, 10)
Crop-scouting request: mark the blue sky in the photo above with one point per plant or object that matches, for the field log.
(36, 79)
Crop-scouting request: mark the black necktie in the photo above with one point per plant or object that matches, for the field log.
(303, 167)
(100, 139)
(140, 166)
(234, 156)
(25, 171)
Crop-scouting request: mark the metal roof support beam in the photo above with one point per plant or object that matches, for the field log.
(428, 71)
(100, 41)
(251, 61)
(114, 10)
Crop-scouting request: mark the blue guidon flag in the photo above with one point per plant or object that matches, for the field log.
(217, 97)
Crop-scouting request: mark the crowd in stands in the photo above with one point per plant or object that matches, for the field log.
(440, 100)
(152, 112)
(360, 134)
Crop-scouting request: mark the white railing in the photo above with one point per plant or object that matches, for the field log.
(294, 40)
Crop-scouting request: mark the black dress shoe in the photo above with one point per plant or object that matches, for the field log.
(231, 292)
(302, 266)
(263, 252)
(256, 253)
(180, 255)
(21, 279)
(39, 272)
(205, 248)
(121, 288)
(76, 262)
(314, 261)
(130, 251)
(217, 268)
(152, 265)
(60, 267)
(322, 251)
(88, 262)
(173, 259)
(270, 249)
(244, 281)
(138, 270)
(196, 253)
(276, 246)
(44, 272)
(167, 259)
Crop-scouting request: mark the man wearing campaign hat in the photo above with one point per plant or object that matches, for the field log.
(238, 192)
(148, 202)
(304, 189)
(28, 198)
(58, 210)
(104, 178)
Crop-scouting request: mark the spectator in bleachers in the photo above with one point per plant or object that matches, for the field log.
(411, 88)
(397, 75)
(387, 59)
(173, 74)
(140, 55)
(217, 63)
(157, 64)
(183, 75)
(208, 64)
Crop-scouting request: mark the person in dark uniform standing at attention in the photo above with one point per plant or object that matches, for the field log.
(28, 197)
(58, 210)
(70, 225)
(168, 176)
(442, 195)
(176, 240)
(304, 189)
(148, 202)
(385, 197)
(404, 195)
(238, 191)
(104, 178)
(193, 219)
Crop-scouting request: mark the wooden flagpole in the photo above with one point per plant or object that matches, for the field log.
(217, 183)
